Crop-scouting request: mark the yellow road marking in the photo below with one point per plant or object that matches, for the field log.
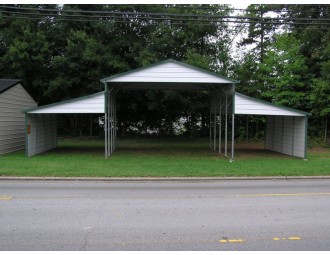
(294, 238)
(5, 197)
(236, 241)
(232, 241)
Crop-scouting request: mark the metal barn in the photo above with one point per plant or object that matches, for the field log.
(13, 100)
(286, 129)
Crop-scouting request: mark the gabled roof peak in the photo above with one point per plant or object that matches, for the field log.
(169, 71)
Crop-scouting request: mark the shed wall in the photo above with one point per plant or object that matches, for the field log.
(43, 133)
(12, 120)
(286, 134)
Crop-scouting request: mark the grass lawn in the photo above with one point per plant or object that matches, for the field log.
(160, 157)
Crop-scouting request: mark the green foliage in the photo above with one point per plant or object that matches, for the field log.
(282, 71)
(65, 56)
(320, 96)
(259, 33)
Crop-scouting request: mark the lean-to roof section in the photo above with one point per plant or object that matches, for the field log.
(94, 103)
(253, 106)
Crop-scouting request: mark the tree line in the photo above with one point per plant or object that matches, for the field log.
(281, 54)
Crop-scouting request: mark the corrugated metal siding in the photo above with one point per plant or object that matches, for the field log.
(245, 105)
(170, 72)
(12, 120)
(43, 133)
(286, 135)
(92, 104)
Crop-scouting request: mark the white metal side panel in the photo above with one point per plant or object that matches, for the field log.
(270, 132)
(92, 104)
(299, 149)
(170, 72)
(287, 135)
(43, 133)
(12, 120)
(245, 105)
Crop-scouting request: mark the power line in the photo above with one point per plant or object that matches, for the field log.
(160, 21)
(252, 10)
(220, 8)
(205, 21)
(136, 14)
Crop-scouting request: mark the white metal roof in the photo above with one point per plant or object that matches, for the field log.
(89, 104)
(253, 106)
(168, 74)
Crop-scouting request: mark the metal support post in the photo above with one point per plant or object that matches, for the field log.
(106, 134)
(215, 126)
(111, 130)
(109, 124)
(232, 136)
(226, 124)
(210, 122)
(113, 124)
(110, 140)
(220, 122)
(115, 120)
(110, 121)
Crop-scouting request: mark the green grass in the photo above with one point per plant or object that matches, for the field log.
(160, 157)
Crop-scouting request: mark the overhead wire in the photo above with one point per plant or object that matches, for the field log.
(220, 8)
(156, 18)
(156, 22)
(224, 20)
(252, 10)
(160, 14)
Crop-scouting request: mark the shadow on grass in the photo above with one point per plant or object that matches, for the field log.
(258, 152)
(77, 150)
(241, 150)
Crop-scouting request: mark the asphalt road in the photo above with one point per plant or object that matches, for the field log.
(207, 215)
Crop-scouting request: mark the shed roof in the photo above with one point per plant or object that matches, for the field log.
(6, 84)
(169, 74)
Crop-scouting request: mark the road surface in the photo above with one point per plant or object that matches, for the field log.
(198, 215)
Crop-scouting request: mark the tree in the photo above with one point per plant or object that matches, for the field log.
(260, 31)
(320, 94)
(315, 47)
(26, 51)
(283, 71)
